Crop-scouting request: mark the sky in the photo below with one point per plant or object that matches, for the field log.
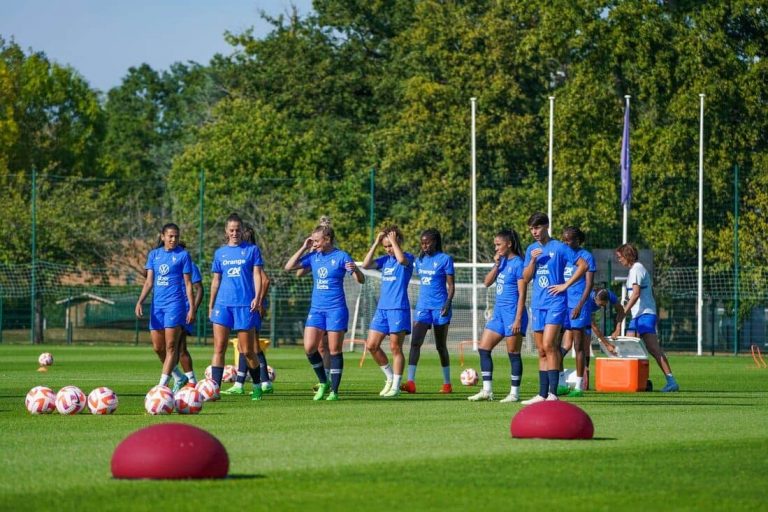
(101, 39)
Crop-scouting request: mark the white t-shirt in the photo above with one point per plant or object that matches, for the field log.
(638, 275)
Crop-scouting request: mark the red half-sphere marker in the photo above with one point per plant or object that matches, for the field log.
(170, 451)
(552, 420)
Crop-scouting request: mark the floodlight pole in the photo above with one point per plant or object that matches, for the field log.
(700, 284)
(551, 144)
(473, 103)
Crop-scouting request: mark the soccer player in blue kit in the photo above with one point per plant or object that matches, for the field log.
(235, 304)
(545, 262)
(168, 274)
(328, 312)
(510, 318)
(578, 318)
(393, 311)
(435, 271)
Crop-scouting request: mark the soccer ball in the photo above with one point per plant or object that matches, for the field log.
(159, 400)
(209, 372)
(70, 400)
(188, 401)
(469, 377)
(40, 400)
(208, 389)
(567, 378)
(230, 374)
(45, 359)
(102, 401)
(271, 373)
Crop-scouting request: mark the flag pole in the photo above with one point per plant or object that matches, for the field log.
(700, 292)
(626, 192)
(626, 202)
(473, 102)
(551, 143)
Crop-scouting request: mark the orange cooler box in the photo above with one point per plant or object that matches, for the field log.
(621, 375)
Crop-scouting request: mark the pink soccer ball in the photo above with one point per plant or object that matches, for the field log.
(159, 400)
(40, 400)
(102, 401)
(45, 359)
(469, 377)
(208, 389)
(70, 400)
(188, 401)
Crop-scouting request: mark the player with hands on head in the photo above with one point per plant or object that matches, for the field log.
(393, 311)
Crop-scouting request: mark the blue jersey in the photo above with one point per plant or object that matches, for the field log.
(510, 271)
(195, 277)
(394, 282)
(576, 289)
(591, 306)
(432, 272)
(328, 271)
(550, 266)
(235, 264)
(169, 268)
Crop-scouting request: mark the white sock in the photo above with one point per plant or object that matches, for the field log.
(177, 375)
(387, 369)
(488, 385)
(514, 390)
(396, 381)
(191, 377)
(579, 381)
(164, 378)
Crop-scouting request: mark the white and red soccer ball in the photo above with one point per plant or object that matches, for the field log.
(159, 400)
(188, 401)
(469, 377)
(209, 372)
(40, 400)
(271, 373)
(70, 400)
(208, 389)
(102, 400)
(45, 359)
(230, 373)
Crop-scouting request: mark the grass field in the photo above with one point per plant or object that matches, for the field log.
(705, 448)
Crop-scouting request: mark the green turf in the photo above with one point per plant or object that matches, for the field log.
(704, 448)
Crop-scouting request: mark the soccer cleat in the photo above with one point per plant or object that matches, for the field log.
(322, 389)
(536, 399)
(267, 388)
(393, 392)
(511, 397)
(575, 393)
(551, 398)
(180, 384)
(670, 387)
(447, 388)
(256, 393)
(332, 397)
(482, 395)
(234, 390)
(409, 387)
(386, 388)
(562, 390)
(316, 386)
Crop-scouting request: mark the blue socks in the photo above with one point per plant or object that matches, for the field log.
(242, 369)
(217, 373)
(516, 363)
(543, 383)
(486, 364)
(316, 360)
(337, 366)
(264, 374)
(554, 380)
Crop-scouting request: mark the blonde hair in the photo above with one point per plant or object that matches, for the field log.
(325, 229)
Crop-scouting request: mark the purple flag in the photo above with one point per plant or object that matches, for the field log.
(626, 162)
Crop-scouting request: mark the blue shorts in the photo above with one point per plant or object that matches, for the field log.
(190, 329)
(542, 317)
(433, 317)
(583, 321)
(391, 321)
(328, 319)
(502, 320)
(237, 318)
(643, 324)
(167, 317)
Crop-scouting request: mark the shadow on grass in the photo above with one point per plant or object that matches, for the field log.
(245, 477)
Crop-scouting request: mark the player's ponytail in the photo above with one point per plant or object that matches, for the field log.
(324, 228)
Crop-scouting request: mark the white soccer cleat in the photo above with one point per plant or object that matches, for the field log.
(386, 388)
(511, 397)
(536, 399)
(482, 395)
(393, 392)
(551, 397)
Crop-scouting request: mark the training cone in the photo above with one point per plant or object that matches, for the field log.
(552, 420)
(170, 451)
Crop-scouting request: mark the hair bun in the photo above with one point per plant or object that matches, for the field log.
(325, 221)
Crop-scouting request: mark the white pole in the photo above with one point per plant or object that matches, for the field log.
(624, 241)
(700, 294)
(551, 143)
(473, 102)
